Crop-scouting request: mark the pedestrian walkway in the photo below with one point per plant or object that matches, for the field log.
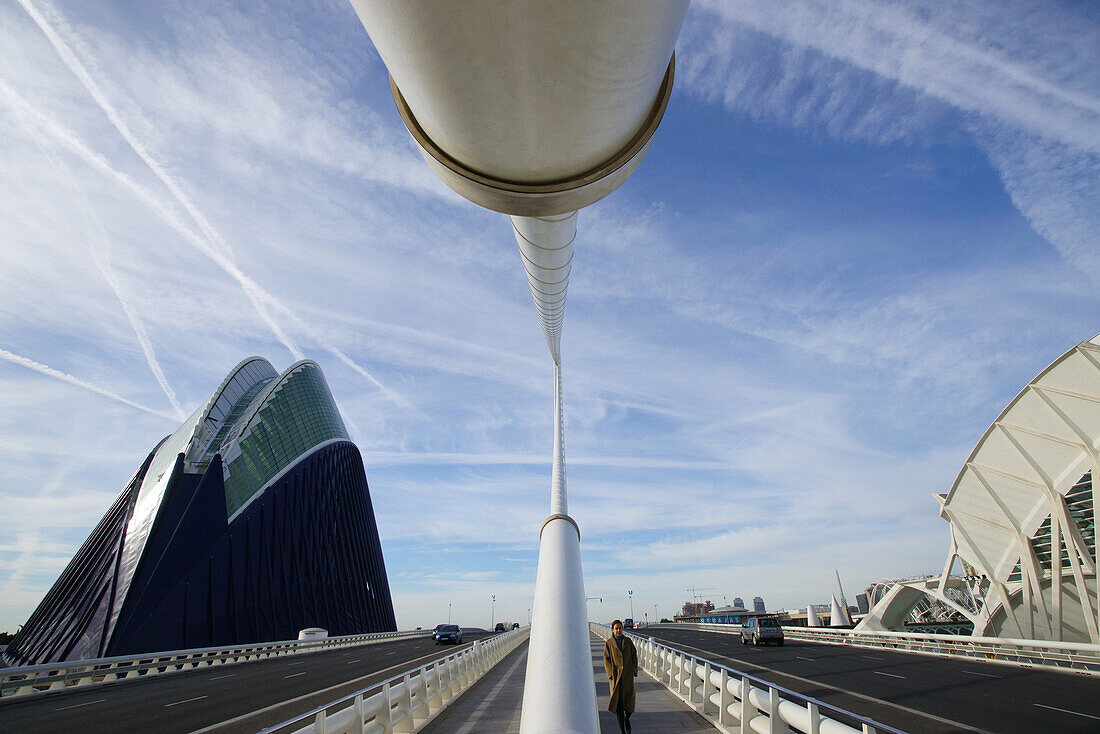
(493, 704)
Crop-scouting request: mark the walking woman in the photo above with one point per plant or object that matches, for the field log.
(620, 660)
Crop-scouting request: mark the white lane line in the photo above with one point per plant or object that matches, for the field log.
(78, 705)
(987, 675)
(294, 675)
(879, 672)
(300, 662)
(802, 658)
(189, 700)
(349, 662)
(871, 657)
(227, 675)
(391, 653)
(1067, 711)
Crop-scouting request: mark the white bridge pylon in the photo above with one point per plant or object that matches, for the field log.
(536, 110)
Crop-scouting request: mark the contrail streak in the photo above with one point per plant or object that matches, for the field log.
(77, 67)
(68, 139)
(57, 374)
(99, 247)
(216, 247)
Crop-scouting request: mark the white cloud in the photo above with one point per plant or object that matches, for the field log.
(866, 69)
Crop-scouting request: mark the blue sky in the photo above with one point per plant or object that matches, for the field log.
(863, 226)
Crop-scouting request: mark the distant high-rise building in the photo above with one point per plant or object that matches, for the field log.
(758, 604)
(738, 602)
(249, 523)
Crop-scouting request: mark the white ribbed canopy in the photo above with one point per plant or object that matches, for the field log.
(1017, 478)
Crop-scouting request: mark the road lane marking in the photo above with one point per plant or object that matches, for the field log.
(78, 705)
(227, 675)
(987, 675)
(879, 672)
(1067, 711)
(391, 653)
(294, 675)
(871, 657)
(802, 658)
(300, 662)
(349, 662)
(189, 700)
(820, 684)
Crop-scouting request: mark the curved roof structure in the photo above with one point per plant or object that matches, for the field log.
(289, 418)
(1022, 511)
(226, 404)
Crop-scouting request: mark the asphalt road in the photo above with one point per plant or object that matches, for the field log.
(911, 692)
(245, 697)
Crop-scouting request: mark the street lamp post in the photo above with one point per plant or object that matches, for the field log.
(493, 619)
(656, 617)
(448, 612)
(630, 593)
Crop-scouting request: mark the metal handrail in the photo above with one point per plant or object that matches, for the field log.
(733, 701)
(1081, 657)
(407, 701)
(48, 677)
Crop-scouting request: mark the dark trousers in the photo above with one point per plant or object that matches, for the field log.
(623, 716)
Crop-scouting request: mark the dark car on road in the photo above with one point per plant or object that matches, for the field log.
(499, 627)
(761, 630)
(448, 633)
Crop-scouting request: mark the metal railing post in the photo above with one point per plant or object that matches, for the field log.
(708, 705)
(815, 717)
(776, 725)
(385, 714)
(748, 708)
(724, 700)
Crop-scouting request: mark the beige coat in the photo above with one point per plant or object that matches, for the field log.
(621, 667)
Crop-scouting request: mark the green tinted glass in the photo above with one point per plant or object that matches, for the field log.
(298, 415)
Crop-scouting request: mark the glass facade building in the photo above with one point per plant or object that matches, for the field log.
(290, 418)
(250, 522)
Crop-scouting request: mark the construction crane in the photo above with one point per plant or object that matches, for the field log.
(694, 592)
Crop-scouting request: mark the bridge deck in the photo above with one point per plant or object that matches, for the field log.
(493, 704)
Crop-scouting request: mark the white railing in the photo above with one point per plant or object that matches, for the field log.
(735, 702)
(1077, 656)
(49, 677)
(407, 701)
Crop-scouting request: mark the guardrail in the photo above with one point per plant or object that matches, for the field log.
(1081, 657)
(733, 701)
(408, 701)
(38, 679)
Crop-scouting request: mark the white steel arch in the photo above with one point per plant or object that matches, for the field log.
(1023, 515)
